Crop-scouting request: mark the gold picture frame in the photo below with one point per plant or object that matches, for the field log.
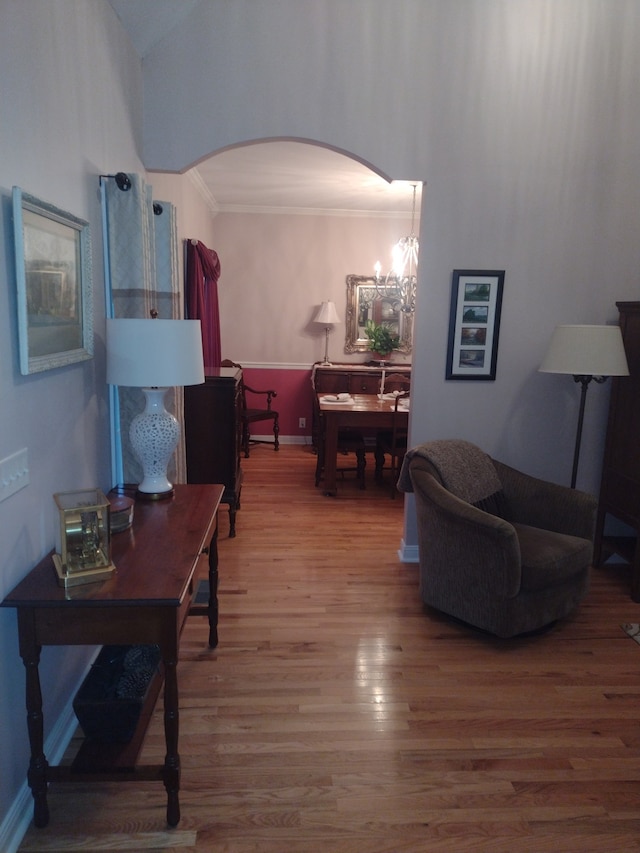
(378, 301)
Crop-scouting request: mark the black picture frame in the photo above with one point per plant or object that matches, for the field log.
(474, 324)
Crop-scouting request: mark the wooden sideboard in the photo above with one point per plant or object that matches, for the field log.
(352, 378)
(213, 434)
(620, 485)
(146, 600)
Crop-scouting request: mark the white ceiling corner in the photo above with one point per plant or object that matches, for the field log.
(148, 21)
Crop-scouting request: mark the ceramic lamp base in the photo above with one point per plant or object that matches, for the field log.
(154, 437)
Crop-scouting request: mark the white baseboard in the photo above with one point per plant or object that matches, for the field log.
(284, 439)
(408, 553)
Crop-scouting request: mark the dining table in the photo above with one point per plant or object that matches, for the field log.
(358, 411)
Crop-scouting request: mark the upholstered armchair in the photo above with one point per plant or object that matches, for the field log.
(499, 549)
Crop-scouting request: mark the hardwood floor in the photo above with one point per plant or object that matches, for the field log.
(336, 715)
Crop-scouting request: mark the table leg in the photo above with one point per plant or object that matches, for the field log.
(330, 454)
(171, 772)
(233, 507)
(37, 773)
(213, 589)
(635, 573)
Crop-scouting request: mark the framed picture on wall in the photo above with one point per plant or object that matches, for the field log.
(474, 324)
(53, 278)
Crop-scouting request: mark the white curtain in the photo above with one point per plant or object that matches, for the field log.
(143, 275)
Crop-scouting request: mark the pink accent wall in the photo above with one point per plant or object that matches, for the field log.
(293, 387)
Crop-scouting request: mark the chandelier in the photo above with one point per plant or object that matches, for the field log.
(400, 282)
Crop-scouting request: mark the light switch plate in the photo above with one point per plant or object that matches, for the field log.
(14, 473)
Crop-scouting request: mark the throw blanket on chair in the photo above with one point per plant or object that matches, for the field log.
(465, 470)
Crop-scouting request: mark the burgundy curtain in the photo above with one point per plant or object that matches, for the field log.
(203, 272)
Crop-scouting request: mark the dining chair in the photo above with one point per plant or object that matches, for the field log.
(250, 415)
(393, 442)
(349, 441)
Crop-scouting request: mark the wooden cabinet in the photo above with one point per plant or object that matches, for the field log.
(213, 434)
(620, 486)
(352, 378)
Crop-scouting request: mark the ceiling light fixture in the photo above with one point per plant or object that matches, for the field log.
(400, 282)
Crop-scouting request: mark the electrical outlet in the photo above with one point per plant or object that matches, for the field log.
(302, 422)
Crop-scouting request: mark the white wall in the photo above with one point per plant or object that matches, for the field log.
(522, 118)
(70, 111)
(70, 94)
(277, 269)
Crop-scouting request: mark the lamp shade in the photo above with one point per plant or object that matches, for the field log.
(586, 351)
(154, 353)
(327, 314)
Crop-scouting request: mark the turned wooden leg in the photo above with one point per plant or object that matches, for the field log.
(362, 464)
(635, 574)
(330, 452)
(37, 772)
(171, 771)
(379, 454)
(213, 590)
(233, 506)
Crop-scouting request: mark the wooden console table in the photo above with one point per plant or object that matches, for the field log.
(146, 601)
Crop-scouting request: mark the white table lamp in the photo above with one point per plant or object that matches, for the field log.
(154, 355)
(586, 352)
(327, 316)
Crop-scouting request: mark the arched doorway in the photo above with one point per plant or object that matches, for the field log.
(293, 219)
(289, 228)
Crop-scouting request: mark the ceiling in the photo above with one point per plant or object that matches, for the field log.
(296, 176)
(279, 175)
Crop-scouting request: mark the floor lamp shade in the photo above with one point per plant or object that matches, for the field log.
(154, 355)
(587, 353)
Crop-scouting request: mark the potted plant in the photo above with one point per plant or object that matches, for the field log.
(381, 341)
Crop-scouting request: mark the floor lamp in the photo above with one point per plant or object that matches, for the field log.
(586, 353)
(327, 316)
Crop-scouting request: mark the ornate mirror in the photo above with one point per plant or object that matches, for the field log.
(371, 299)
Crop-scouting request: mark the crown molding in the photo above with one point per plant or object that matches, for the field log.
(196, 179)
(266, 210)
(311, 211)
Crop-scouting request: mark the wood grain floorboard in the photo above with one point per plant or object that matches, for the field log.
(338, 715)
